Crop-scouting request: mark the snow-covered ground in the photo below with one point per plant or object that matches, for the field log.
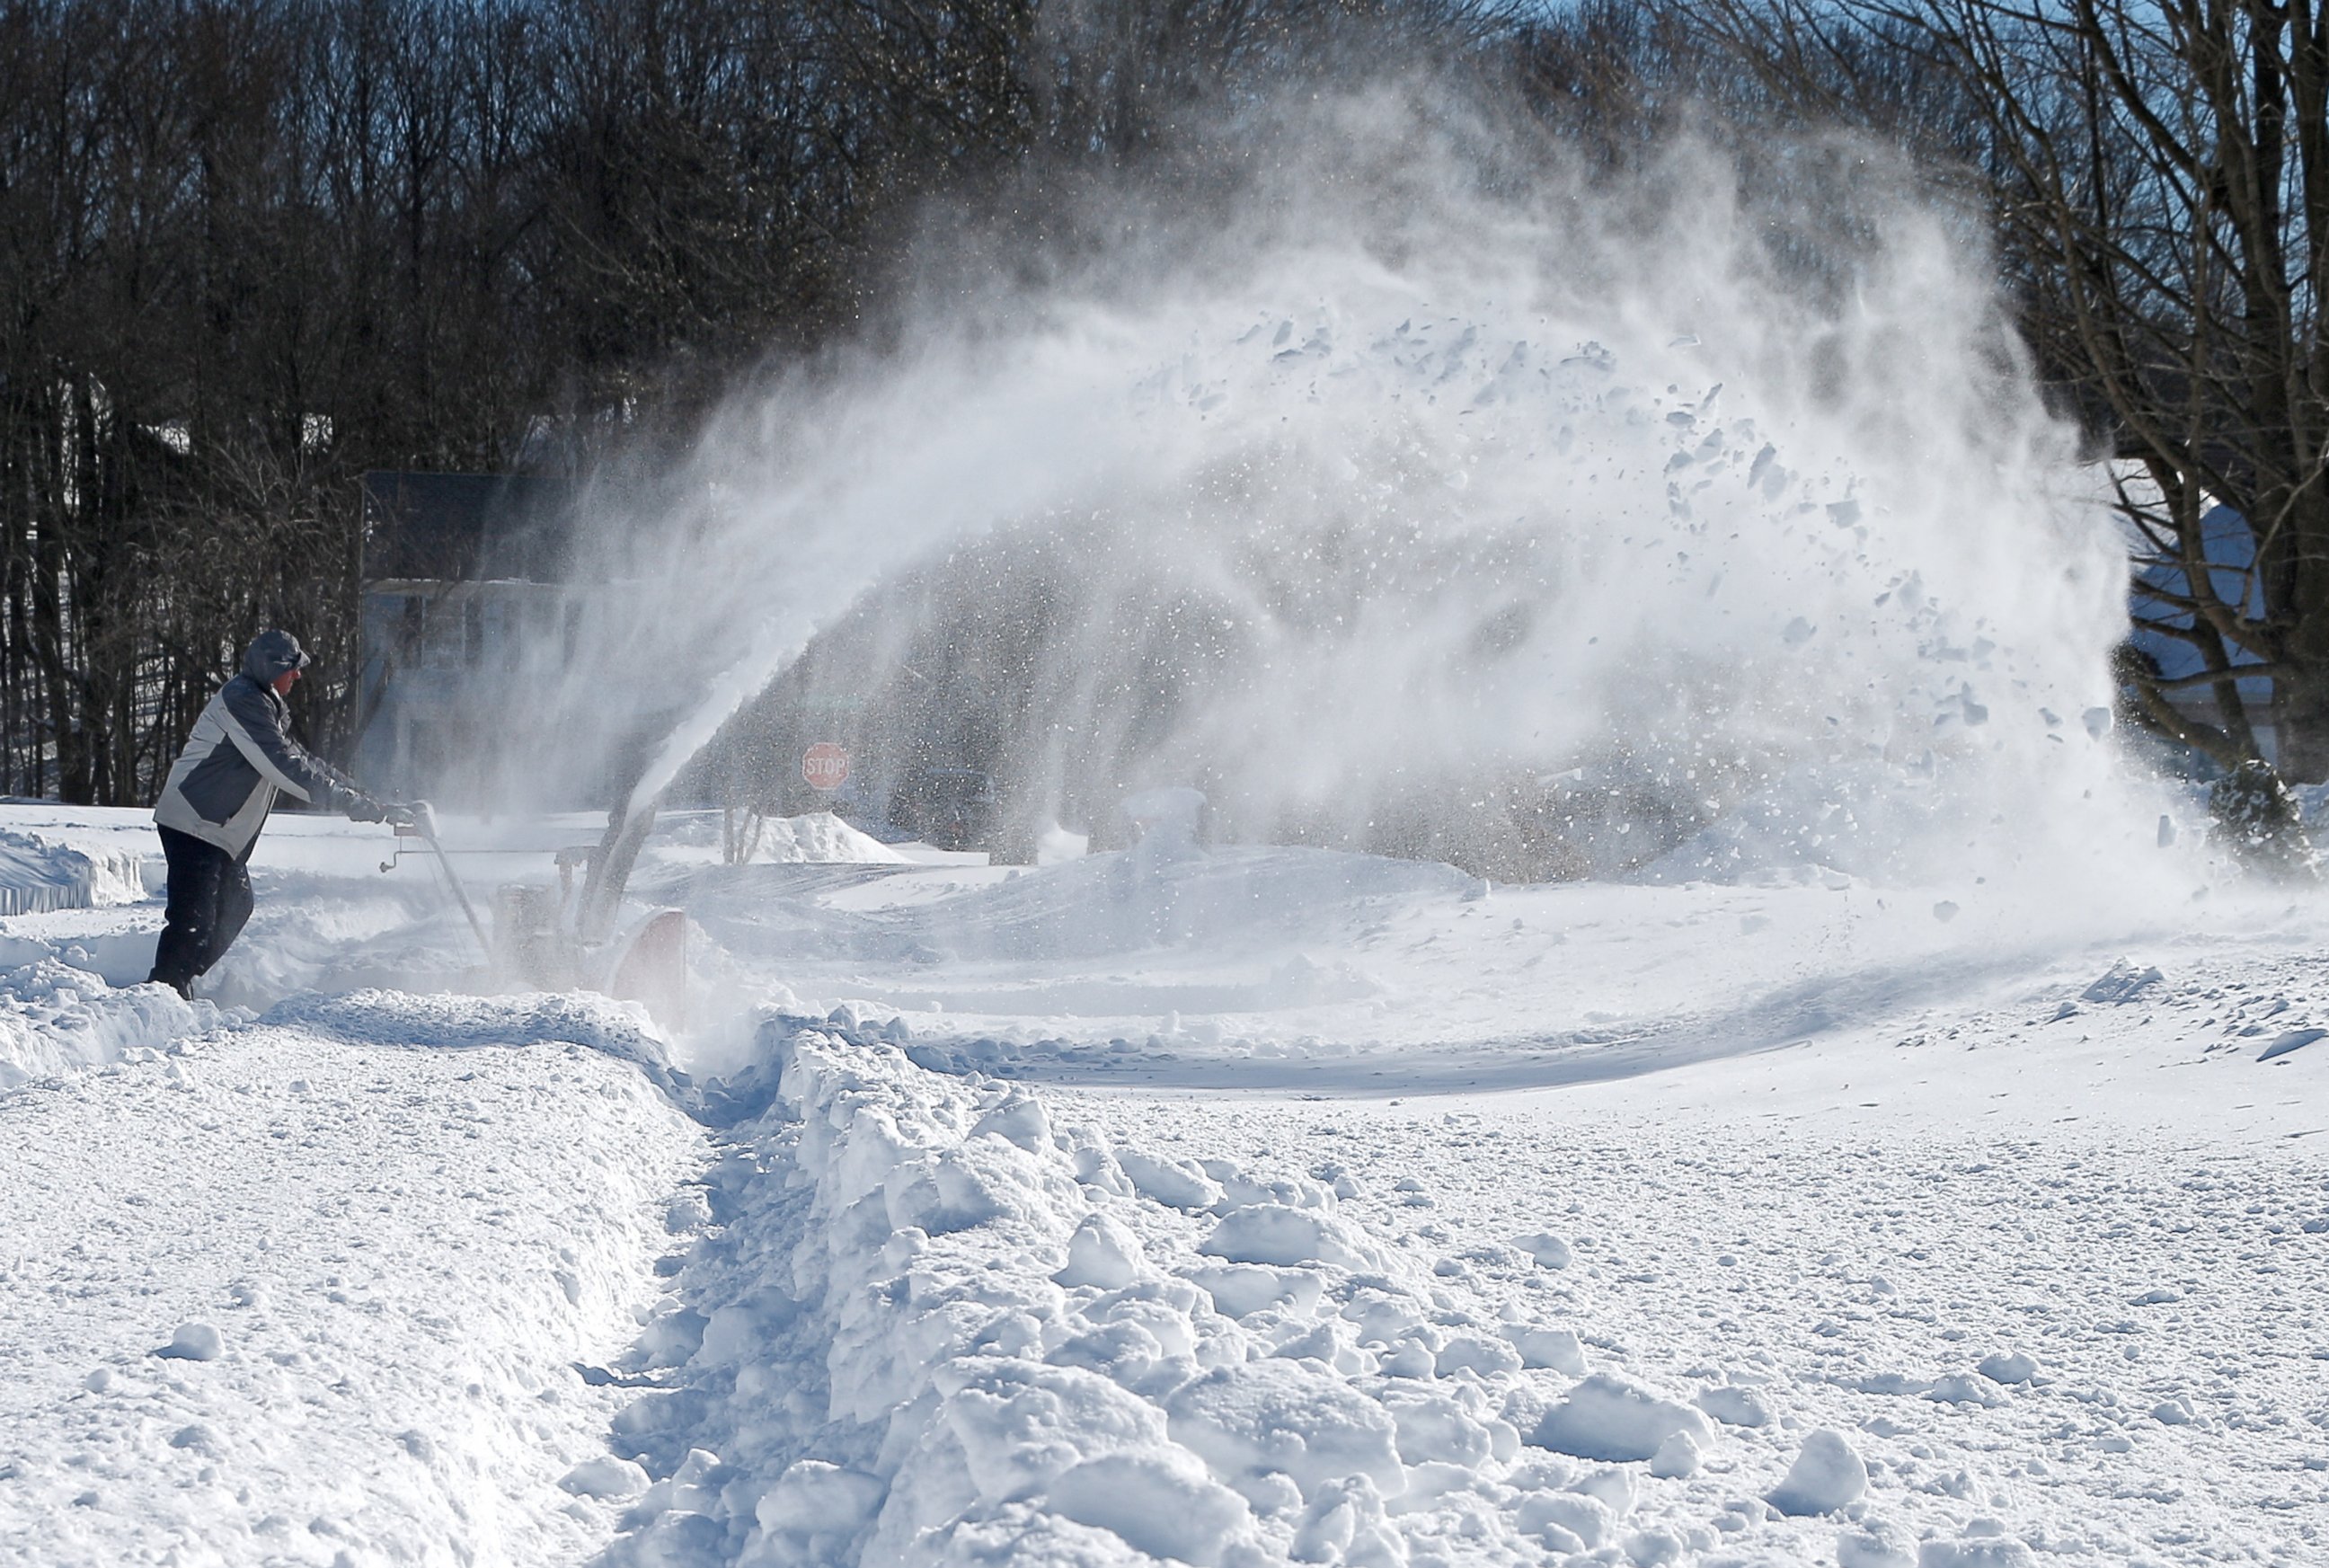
(1226, 1206)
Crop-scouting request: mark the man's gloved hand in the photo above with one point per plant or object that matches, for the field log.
(361, 807)
(397, 814)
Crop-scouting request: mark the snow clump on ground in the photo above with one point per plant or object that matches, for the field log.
(55, 1018)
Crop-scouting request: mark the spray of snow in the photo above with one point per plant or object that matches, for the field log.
(1437, 480)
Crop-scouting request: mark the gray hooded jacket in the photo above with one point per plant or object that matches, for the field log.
(239, 759)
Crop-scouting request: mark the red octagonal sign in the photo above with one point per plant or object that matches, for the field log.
(824, 766)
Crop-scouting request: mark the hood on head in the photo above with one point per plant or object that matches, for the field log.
(271, 653)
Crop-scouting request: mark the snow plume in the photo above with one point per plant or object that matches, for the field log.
(1424, 494)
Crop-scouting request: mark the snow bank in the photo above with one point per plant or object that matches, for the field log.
(939, 1329)
(38, 874)
(813, 837)
(55, 1018)
(819, 838)
(277, 1298)
(450, 1022)
(692, 838)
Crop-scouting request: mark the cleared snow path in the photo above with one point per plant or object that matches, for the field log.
(292, 1294)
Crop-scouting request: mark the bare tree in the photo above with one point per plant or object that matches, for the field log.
(2157, 172)
(249, 249)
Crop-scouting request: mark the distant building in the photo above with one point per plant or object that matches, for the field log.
(2228, 545)
(465, 527)
(462, 598)
(441, 663)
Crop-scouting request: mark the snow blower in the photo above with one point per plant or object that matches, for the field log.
(553, 939)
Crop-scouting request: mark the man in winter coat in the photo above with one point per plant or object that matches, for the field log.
(239, 759)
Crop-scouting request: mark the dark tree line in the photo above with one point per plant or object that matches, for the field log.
(2162, 171)
(251, 249)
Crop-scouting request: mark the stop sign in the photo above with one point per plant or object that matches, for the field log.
(824, 766)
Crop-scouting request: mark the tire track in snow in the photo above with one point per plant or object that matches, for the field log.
(1866, 998)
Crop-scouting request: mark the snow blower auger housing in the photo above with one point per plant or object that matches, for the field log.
(540, 937)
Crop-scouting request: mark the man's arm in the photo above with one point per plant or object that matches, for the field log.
(280, 761)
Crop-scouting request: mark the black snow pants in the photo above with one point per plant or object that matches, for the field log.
(209, 899)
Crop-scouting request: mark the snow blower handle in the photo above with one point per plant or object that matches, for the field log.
(415, 816)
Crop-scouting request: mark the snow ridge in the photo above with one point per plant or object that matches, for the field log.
(938, 1329)
(55, 1018)
(37, 876)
